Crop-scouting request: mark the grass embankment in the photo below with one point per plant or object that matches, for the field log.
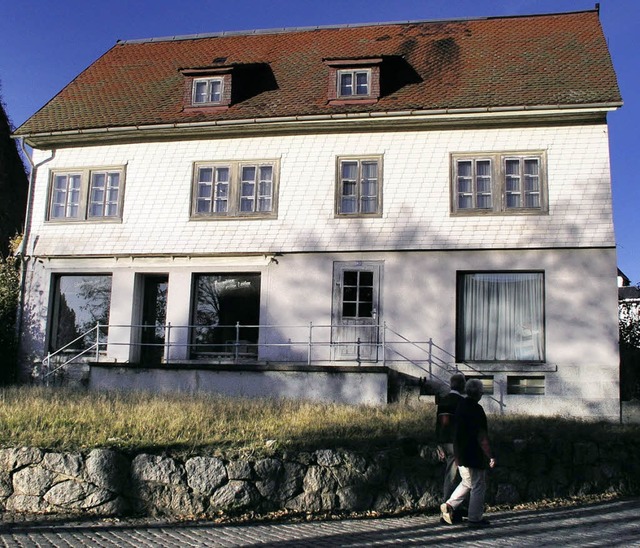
(67, 420)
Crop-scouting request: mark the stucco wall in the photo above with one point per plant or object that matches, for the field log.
(418, 301)
(416, 195)
(419, 244)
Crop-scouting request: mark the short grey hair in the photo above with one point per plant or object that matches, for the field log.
(457, 382)
(474, 388)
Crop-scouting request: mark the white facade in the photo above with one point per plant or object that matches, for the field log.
(418, 248)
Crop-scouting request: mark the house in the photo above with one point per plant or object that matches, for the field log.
(312, 212)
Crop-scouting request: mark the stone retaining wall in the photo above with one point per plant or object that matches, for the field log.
(107, 482)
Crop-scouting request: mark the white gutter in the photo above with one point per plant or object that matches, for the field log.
(413, 115)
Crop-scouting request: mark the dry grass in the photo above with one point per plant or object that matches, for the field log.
(60, 419)
(179, 424)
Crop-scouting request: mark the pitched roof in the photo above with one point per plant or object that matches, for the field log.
(524, 61)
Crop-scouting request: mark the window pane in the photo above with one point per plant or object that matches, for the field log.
(220, 302)
(346, 83)
(369, 170)
(200, 94)
(350, 293)
(350, 170)
(351, 277)
(222, 190)
(349, 310)
(368, 205)
(79, 303)
(366, 278)
(362, 83)
(501, 317)
(215, 91)
(348, 205)
(205, 175)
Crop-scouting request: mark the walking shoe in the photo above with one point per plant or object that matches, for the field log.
(479, 524)
(447, 513)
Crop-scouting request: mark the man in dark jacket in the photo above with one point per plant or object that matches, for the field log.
(445, 423)
(472, 451)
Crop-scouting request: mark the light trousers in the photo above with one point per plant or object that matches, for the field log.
(474, 484)
(450, 470)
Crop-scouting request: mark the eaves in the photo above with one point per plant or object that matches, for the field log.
(327, 123)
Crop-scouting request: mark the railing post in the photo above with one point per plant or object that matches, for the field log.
(358, 351)
(384, 343)
(97, 341)
(237, 344)
(45, 376)
(310, 343)
(430, 358)
(167, 344)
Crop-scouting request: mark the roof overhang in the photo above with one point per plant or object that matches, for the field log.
(337, 122)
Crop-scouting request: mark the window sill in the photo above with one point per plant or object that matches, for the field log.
(96, 220)
(353, 101)
(508, 367)
(494, 213)
(200, 218)
(205, 108)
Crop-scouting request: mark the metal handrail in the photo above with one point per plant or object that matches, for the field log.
(384, 346)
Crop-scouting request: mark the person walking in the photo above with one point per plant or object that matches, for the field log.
(473, 454)
(445, 423)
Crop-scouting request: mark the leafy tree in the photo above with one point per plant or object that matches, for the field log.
(630, 323)
(9, 291)
(13, 185)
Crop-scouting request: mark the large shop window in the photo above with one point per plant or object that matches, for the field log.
(501, 317)
(226, 314)
(80, 302)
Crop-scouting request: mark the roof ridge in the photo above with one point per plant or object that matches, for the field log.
(284, 30)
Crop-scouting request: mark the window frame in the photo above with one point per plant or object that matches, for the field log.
(235, 186)
(526, 385)
(53, 315)
(86, 175)
(354, 85)
(460, 303)
(208, 81)
(360, 159)
(498, 183)
(247, 347)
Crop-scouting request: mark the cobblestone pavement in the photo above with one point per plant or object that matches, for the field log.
(614, 523)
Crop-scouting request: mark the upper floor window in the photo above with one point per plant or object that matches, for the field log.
(235, 189)
(499, 183)
(83, 194)
(359, 186)
(354, 83)
(207, 90)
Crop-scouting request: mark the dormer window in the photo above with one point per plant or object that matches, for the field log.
(207, 90)
(353, 81)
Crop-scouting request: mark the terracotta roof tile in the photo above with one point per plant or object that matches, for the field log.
(559, 59)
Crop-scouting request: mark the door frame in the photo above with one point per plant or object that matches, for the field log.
(342, 329)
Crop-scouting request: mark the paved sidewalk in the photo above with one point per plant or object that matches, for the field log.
(615, 523)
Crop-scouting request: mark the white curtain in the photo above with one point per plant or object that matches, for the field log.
(503, 316)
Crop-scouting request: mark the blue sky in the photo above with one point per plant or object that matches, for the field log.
(45, 44)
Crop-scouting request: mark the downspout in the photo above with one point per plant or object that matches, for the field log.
(22, 248)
